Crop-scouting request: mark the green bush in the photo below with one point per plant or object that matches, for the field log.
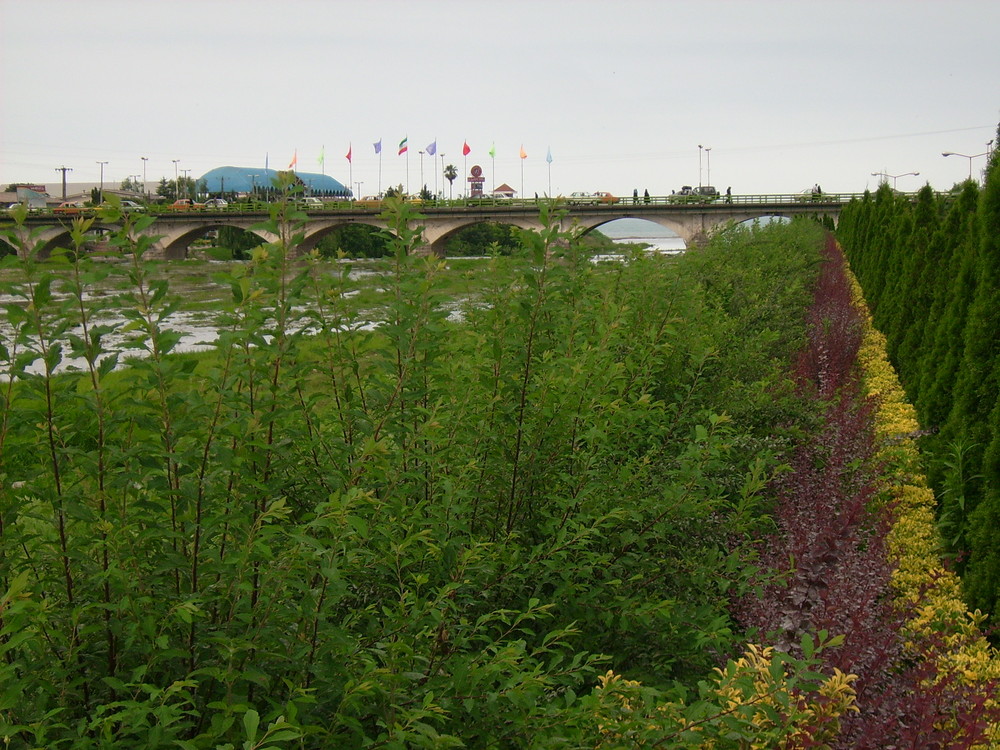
(430, 522)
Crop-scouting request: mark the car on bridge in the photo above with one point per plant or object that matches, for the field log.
(216, 203)
(700, 194)
(591, 199)
(309, 203)
(184, 204)
(71, 208)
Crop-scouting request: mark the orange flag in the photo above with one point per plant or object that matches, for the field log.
(523, 154)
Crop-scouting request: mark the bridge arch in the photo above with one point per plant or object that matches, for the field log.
(438, 241)
(437, 233)
(56, 236)
(175, 244)
(316, 231)
(671, 226)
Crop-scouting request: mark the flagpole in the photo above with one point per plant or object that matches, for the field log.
(548, 158)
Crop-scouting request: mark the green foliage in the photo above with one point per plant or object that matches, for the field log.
(354, 241)
(424, 523)
(238, 242)
(930, 275)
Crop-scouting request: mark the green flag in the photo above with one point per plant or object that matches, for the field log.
(493, 150)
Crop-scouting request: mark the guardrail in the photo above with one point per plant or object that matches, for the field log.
(335, 206)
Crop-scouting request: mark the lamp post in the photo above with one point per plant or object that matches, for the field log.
(708, 164)
(421, 171)
(187, 183)
(144, 191)
(100, 195)
(894, 177)
(441, 154)
(177, 182)
(700, 148)
(970, 158)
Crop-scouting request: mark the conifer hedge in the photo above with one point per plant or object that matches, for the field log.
(930, 271)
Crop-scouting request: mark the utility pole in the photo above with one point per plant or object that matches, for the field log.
(64, 170)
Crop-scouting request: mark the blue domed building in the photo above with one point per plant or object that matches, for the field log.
(250, 179)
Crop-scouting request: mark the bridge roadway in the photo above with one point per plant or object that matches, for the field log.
(694, 222)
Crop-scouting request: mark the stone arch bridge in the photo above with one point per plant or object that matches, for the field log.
(692, 222)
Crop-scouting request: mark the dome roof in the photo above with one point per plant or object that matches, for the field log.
(244, 179)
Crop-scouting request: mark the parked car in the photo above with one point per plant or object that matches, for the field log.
(216, 203)
(309, 202)
(132, 207)
(605, 197)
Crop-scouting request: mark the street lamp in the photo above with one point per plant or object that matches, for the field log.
(100, 195)
(970, 158)
(708, 164)
(894, 177)
(187, 182)
(177, 182)
(700, 148)
(144, 191)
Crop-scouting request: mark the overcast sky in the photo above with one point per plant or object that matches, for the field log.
(621, 92)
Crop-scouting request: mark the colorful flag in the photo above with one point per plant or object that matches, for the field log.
(548, 156)
(295, 159)
(493, 150)
(349, 147)
(321, 159)
(432, 148)
(465, 149)
(378, 146)
(403, 148)
(523, 155)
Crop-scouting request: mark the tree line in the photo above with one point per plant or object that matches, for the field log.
(930, 270)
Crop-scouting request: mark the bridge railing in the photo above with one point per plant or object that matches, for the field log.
(335, 206)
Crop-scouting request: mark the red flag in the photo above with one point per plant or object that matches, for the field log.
(465, 149)
(295, 159)
(349, 153)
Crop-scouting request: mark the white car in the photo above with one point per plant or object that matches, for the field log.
(216, 203)
(582, 199)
